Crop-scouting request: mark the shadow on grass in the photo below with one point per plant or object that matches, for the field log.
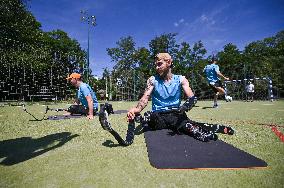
(110, 144)
(205, 107)
(138, 130)
(22, 149)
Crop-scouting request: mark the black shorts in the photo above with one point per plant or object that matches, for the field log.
(80, 109)
(250, 94)
(167, 120)
(216, 84)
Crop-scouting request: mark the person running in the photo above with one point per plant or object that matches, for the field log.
(212, 74)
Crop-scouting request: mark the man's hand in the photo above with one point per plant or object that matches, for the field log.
(131, 113)
(226, 78)
(90, 117)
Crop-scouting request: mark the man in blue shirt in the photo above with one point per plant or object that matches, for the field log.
(165, 88)
(86, 102)
(212, 74)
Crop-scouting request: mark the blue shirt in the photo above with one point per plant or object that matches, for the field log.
(211, 73)
(166, 95)
(85, 90)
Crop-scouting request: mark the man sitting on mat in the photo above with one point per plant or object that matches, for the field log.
(86, 102)
(165, 90)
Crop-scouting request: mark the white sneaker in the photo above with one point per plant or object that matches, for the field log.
(228, 98)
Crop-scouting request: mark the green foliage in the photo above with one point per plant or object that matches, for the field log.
(33, 54)
(164, 43)
(264, 58)
(123, 54)
(230, 61)
(259, 59)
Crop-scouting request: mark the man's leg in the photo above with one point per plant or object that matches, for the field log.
(198, 132)
(157, 121)
(215, 100)
(251, 96)
(220, 91)
(215, 128)
(186, 126)
(77, 109)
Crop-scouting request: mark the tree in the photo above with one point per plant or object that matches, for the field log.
(231, 62)
(183, 61)
(36, 58)
(123, 54)
(162, 44)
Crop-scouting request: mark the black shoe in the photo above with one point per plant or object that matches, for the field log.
(215, 106)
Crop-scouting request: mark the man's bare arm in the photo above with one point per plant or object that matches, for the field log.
(90, 106)
(191, 99)
(220, 74)
(143, 101)
(147, 93)
(186, 89)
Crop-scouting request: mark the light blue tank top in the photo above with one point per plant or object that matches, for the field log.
(166, 95)
(85, 90)
(211, 73)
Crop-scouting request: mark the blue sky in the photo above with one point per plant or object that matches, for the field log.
(215, 23)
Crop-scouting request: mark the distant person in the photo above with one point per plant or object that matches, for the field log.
(212, 74)
(249, 92)
(86, 102)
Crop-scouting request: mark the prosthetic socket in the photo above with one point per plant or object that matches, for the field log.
(189, 103)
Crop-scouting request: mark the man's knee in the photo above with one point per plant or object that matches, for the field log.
(77, 109)
(220, 91)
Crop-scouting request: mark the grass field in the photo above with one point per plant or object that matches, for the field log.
(79, 153)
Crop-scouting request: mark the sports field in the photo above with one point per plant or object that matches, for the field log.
(79, 153)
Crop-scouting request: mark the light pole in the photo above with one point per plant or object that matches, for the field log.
(91, 21)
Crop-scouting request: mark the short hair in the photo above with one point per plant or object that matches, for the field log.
(214, 58)
(164, 56)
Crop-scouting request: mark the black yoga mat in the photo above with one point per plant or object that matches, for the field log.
(60, 117)
(172, 151)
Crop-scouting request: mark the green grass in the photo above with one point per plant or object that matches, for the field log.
(78, 153)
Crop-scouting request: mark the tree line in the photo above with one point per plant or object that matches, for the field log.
(35, 55)
(259, 59)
